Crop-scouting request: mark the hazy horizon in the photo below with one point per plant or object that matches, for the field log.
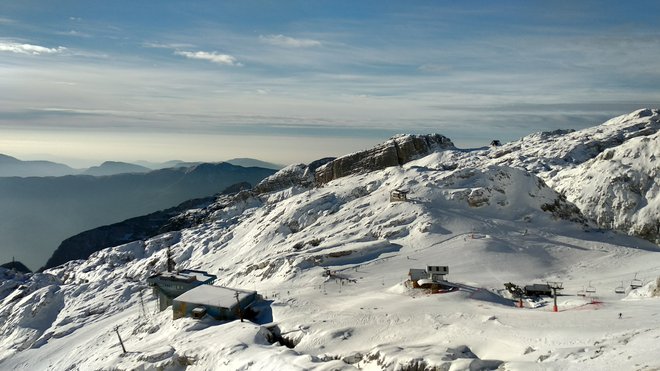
(292, 82)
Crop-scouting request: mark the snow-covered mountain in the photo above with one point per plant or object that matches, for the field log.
(609, 171)
(330, 257)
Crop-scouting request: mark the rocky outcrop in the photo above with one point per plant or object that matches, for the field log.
(300, 175)
(396, 151)
(17, 266)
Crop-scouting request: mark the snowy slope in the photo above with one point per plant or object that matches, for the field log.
(620, 187)
(609, 171)
(488, 224)
(491, 219)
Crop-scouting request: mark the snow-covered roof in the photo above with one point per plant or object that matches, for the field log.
(186, 275)
(199, 275)
(174, 277)
(216, 296)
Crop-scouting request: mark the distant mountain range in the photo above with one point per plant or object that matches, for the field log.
(114, 167)
(250, 162)
(82, 245)
(37, 213)
(11, 166)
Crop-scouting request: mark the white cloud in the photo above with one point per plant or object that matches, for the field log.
(156, 45)
(281, 40)
(28, 48)
(214, 57)
(74, 33)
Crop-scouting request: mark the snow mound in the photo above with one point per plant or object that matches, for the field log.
(649, 290)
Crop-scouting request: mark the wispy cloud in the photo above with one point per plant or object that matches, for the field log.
(156, 45)
(19, 48)
(74, 33)
(281, 40)
(214, 57)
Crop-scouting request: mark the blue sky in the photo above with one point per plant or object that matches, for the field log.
(292, 81)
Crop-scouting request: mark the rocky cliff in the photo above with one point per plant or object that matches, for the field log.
(396, 151)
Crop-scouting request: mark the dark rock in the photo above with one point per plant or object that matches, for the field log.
(17, 266)
(396, 151)
(293, 175)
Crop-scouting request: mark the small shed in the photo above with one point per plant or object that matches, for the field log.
(437, 272)
(538, 289)
(169, 285)
(416, 274)
(221, 303)
(399, 195)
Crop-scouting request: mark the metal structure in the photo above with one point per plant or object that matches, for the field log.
(590, 289)
(581, 292)
(555, 286)
(620, 289)
(636, 283)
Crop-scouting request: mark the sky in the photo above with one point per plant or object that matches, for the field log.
(293, 81)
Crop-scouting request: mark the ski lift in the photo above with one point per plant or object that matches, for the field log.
(581, 292)
(636, 283)
(620, 289)
(590, 289)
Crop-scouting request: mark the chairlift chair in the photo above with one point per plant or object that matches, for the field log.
(620, 289)
(636, 283)
(590, 289)
(581, 292)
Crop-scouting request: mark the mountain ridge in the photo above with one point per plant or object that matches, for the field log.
(39, 213)
(331, 259)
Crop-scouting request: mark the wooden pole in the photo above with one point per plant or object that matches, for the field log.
(238, 302)
(120, 342)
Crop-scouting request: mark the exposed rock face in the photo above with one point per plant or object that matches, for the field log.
(396, 151)
(293, 175)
